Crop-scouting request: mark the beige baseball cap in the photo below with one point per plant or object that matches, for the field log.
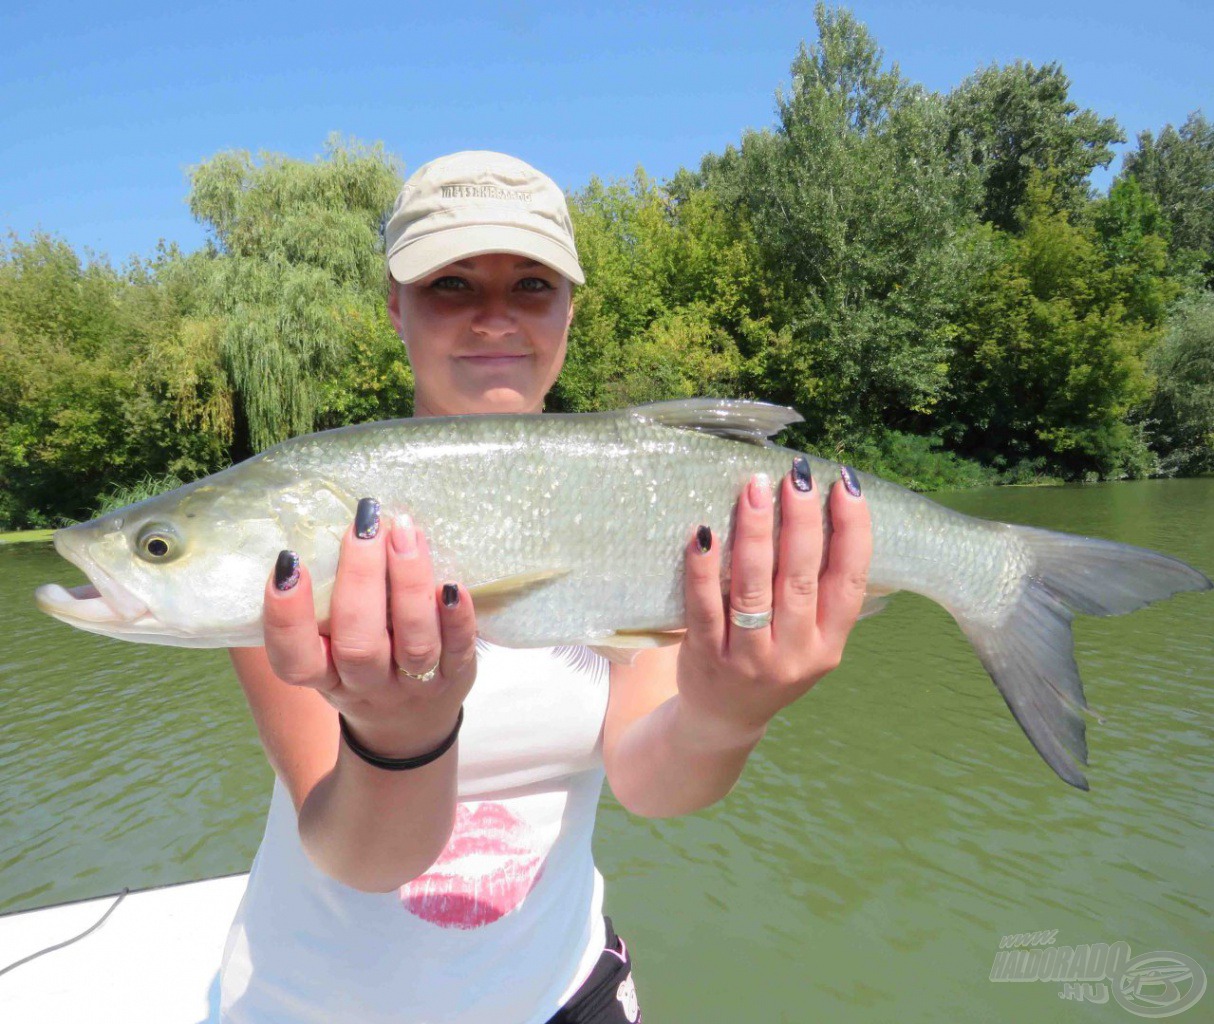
(477, 202)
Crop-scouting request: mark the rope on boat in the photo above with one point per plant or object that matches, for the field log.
(68, 942)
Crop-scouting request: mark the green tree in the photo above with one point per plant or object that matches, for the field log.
(1133, 234)
(1012, 120)
(860, 220)
(1180, 414)
(104, 379)
(1048, 359)
(1177, 170)
(297, 252)
(373, 380)
(667, 310)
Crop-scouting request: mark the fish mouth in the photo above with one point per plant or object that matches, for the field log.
(102, 602)
(83, 603)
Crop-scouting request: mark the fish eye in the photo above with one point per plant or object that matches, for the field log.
(158, 544)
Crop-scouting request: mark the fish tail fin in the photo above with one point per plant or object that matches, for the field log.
(1029, 650)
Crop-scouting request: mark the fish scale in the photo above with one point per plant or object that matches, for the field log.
(610, 504)
(571, 529)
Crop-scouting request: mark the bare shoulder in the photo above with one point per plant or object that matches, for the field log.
(297, 726)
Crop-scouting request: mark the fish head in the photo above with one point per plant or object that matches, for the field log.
(188, 568)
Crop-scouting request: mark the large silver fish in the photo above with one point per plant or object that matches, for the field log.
(570, 529)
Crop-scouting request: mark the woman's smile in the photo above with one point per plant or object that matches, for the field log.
(494, 359)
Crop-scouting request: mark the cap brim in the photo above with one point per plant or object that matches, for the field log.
(431, 252)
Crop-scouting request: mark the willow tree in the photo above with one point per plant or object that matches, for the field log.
(298, 256)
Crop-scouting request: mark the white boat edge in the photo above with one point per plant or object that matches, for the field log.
(155, 960)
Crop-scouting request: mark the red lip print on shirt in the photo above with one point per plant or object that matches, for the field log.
(488, 867)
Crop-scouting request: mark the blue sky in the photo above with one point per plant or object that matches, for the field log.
(107, 105)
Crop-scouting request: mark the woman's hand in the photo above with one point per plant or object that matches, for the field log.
(388, 625)
(733, 679)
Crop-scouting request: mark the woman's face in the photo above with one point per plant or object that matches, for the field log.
(484, 334)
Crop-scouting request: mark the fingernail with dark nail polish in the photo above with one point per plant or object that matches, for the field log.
(286, 570)
(704, 539)
(366, 519)
(850, 480)
(450, 595)
(801, 478)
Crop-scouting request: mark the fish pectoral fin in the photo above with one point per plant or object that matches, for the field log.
(874, 602)
(501, 591)
(314, 515)
(752, 422)
(622, 647)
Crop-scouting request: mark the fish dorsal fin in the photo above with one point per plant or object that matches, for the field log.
(752, 422)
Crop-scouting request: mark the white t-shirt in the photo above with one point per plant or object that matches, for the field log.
(504, 926)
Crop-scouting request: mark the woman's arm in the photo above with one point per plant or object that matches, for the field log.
(369, 828)
(682, 721)
(660, 761)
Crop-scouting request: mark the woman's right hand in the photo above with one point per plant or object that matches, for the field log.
(377, 634)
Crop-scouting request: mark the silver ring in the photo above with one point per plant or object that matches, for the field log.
(749, 620)
(422, 677)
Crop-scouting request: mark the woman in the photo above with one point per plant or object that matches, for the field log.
(412, 873)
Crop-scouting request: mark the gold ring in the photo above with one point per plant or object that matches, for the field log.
(421, 677)
(749, 620)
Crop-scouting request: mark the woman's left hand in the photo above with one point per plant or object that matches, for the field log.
(733, 679)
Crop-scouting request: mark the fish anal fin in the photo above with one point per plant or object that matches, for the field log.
(616, 655)
(623, 646)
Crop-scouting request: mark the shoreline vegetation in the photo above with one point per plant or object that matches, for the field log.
(929, 279)
(26, 537)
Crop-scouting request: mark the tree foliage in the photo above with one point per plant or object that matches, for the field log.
(105, 376)
(297, 254)
(1010, 121)
(668, 307)
(1133, 236)
(1177, 170)
(1048, 357)
(1180, 413)
(927, 278)
(860, 221)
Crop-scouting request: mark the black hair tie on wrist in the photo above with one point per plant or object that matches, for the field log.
(399, 764)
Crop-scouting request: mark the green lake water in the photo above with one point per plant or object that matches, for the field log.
(893, 826)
